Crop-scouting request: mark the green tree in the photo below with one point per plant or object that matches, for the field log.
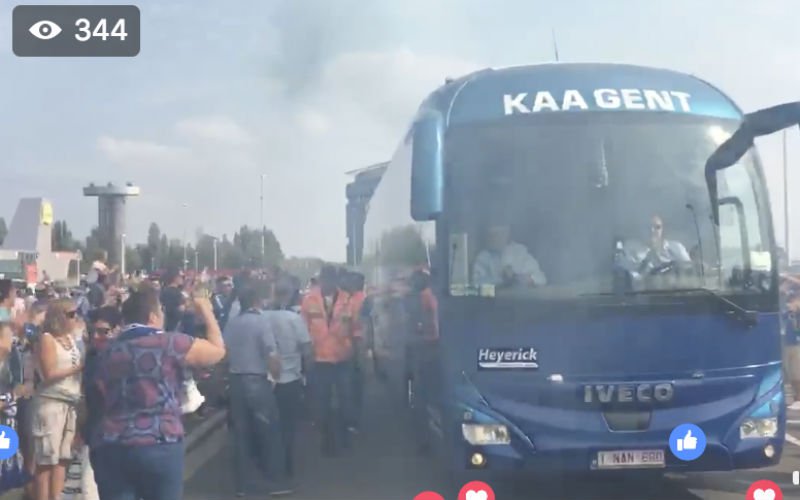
(230, 255)
(250, 249)
(243, 250)
(91, 249)
(61, 238)
(174, 254)
(145, 257)
(273, 253)
(133, 258)
(163, 252)
(205, 249)
(402, 247)
(155, 248)
(248, 241)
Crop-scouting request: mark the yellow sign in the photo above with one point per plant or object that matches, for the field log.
(47, 213)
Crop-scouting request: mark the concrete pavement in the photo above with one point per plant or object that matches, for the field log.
(383, 466)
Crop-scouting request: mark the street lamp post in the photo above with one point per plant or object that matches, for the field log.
(215, 252)
(185, 257)
(261, 228)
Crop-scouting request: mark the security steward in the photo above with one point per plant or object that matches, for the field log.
(328, 312)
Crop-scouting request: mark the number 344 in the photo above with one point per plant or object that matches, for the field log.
(85, 31)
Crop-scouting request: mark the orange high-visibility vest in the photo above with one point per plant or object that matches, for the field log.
(332, 331)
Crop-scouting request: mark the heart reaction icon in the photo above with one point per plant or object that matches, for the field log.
(764, 490)
(476, 490)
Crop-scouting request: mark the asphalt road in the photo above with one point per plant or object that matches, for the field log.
(383, 466)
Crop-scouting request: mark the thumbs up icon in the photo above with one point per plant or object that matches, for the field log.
(688, 442)
(9, 442)
(5, 443)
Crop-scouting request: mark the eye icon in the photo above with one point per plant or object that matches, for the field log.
(45, 30)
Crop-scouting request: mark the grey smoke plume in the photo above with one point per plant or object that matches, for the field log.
(311, 32)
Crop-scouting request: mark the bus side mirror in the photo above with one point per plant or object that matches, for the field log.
(756, 124)
(427, 167)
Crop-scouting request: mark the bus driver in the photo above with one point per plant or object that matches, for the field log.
(662, 251)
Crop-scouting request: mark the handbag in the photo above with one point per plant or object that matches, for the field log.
(72, 483)
(190, 396)
(80, 484)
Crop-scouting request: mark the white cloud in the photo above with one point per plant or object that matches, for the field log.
(312, 121)
(220, 129)
(141, 154)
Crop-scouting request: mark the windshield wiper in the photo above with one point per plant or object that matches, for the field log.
(741, 314)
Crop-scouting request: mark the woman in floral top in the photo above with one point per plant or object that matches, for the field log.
(137, 444)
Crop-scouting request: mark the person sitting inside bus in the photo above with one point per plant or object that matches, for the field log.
(662, 251)
(506, 263)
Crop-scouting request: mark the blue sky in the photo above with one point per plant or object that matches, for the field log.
(304, 90)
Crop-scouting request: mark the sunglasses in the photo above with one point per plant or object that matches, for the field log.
(72, 314)
(656, 226)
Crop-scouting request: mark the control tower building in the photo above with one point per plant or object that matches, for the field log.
(111, 216)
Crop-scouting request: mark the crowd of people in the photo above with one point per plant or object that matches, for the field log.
(105, 378)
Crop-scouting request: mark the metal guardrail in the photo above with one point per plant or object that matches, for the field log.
(194, 437)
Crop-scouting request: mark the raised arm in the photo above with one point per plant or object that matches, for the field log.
(211, 350)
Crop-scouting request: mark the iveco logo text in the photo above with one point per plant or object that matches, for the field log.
(628, 393)
(643, 99)
(523, 358)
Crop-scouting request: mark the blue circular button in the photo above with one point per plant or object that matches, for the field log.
(9, 442)
(687, 442)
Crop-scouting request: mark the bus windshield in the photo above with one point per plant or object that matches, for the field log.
(556, 205)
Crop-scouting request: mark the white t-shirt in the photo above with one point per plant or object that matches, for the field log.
(98, 267)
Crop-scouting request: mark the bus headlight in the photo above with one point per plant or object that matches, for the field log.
(485, 434)
(758, 428)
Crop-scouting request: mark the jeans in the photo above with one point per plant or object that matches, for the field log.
(358, 393)
(153, 472)
(256, 429)
(289, 397)
(334, 380)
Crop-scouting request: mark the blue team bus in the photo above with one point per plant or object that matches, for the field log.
(627, 224)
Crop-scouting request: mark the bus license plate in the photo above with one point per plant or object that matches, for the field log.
(624, 459)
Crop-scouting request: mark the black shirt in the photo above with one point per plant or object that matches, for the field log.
(171, 300)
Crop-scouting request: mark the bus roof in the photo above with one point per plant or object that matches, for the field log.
(493, 94)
